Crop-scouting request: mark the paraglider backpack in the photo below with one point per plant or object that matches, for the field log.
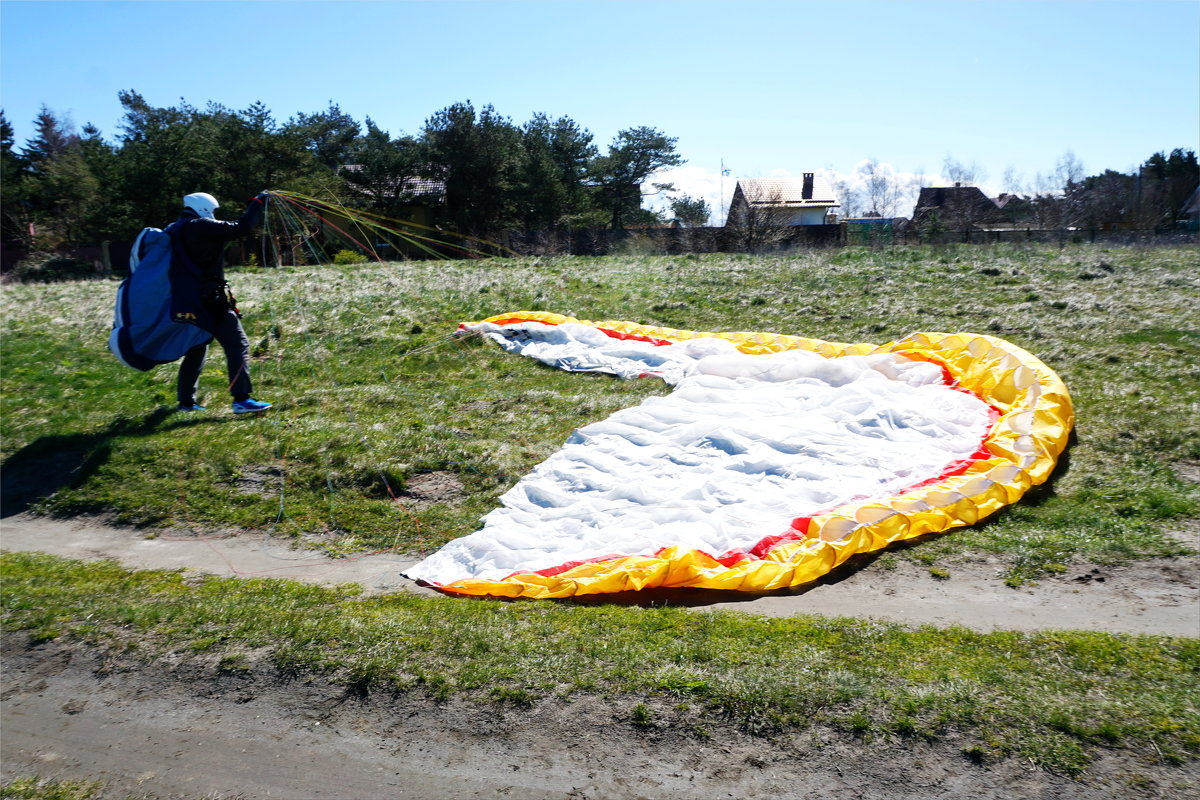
(158, 315)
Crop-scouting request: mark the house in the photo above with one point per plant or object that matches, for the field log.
(1190, 213)
(790, 201)
(411, 197)
(956, 207)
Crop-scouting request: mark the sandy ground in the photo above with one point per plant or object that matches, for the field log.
(186, 730)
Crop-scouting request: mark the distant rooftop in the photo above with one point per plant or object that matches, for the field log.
(788, 192)
(415, 186)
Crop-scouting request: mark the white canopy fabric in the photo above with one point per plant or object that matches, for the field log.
(744, 445)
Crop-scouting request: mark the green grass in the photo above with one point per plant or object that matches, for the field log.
(1052, 697)
(372, 392)
(41, 789)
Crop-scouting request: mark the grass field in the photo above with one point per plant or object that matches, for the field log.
(373, 397)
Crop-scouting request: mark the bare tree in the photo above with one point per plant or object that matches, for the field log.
(884, 191)
(1047, 201)
(963, 174)
(758, 221)
(1068, 171)
(849, 197)
(921, 179)
(1012, 182)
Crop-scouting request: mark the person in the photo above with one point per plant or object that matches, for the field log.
(202, 239)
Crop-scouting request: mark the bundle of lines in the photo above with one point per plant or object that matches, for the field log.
(301, 229)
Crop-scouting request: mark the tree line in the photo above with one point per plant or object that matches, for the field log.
(470, 171)
(475, 171)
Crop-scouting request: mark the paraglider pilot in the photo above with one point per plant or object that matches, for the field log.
(202, 239)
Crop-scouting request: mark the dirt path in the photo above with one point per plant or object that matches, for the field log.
(1156, 597)
(187, 732)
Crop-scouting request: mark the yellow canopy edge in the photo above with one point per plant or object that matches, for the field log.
(1034, 424)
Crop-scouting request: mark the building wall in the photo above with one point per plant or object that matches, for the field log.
(809, 216)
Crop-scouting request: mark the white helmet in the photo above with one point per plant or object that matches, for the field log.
(202, 203)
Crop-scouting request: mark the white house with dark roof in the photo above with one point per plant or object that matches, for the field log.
(803, 201)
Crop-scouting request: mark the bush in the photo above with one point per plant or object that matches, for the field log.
(349, 257)
(48, 268)
(639, 244)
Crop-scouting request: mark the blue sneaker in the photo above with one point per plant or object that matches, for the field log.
(189, 407)
(249, 406)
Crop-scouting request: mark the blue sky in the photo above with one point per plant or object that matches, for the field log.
(766, 87)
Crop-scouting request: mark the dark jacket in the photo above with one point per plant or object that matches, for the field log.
(203, 241)
(197, 273)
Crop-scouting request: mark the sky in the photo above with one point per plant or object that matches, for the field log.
(760, 88)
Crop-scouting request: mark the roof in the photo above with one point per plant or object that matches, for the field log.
(967, 202)
(934, 196)
(787, 192)
(412, 185)
(1192, 206)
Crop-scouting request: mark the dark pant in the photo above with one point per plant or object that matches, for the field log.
(229, 334)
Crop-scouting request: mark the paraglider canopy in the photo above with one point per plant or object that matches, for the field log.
(773, 460)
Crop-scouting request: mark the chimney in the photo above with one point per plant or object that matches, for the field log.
(806, 192)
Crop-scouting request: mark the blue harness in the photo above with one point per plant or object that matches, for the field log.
(159, 315)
